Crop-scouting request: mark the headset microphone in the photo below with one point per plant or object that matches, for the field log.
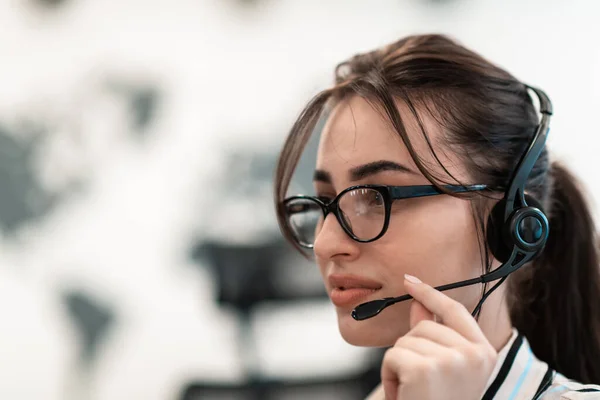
(517, 228)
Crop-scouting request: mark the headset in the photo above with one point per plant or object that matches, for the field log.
(517, 228)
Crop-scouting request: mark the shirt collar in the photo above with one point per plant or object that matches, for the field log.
(517, 373)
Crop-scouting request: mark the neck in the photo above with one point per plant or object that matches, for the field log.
(494, 319)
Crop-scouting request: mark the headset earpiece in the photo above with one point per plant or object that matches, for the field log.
(529, 226)
(497, 241)
(526, 228)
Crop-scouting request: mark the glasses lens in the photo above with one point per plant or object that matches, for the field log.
(305, 217)
(363, 212)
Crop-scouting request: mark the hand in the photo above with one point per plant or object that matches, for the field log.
(448, 360)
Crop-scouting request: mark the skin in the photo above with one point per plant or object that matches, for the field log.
(434, 239)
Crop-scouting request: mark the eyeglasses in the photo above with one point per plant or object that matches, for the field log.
(363, 211)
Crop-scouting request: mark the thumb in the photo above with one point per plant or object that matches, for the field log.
(419, 313)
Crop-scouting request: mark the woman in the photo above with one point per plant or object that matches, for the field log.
(427, 111)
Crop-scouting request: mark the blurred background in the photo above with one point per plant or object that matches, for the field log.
(139, 254)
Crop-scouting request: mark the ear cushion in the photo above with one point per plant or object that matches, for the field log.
(497, 239)
(498, 232)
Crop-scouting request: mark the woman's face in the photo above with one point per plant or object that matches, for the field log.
(433, 238)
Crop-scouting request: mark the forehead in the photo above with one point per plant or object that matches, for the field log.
(356, 134)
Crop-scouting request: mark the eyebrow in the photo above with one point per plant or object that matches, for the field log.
(322, 176)
(365, 170)
(375, 167)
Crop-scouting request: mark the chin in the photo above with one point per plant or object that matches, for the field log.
(380, 331)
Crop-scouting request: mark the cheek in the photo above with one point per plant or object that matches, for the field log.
(436, 242)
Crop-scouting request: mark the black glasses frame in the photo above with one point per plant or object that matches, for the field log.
(389, 195)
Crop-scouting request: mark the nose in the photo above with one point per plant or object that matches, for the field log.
(333, 242)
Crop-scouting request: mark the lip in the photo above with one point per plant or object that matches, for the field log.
(348, 290)
(350, 297)
(352, 282)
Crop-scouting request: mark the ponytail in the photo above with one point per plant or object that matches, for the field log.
(555, 302)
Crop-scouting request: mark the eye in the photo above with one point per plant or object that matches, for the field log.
(299, 207)
(374, 198)
(368, 197)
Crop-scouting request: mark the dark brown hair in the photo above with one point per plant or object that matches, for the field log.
(555, 301)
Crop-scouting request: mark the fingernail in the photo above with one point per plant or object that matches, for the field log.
(412, 279)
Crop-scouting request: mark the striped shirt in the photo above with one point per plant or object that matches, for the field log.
(519, 375)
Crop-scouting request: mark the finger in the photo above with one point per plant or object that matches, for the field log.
(439, 333)
(419, 313)
(422, 346)
(454, 314)
(395, 360)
